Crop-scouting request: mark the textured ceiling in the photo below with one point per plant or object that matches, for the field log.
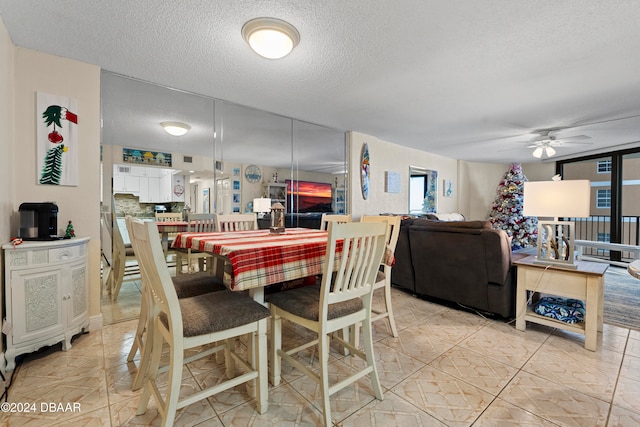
(466, 79)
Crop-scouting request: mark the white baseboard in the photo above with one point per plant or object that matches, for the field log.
(95, 323)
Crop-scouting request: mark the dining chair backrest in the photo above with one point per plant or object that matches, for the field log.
(154, 271)
(201, 223)
(363, 245)
(393, 227)
(236, 222)
(168, 216)
(107, 224)
(121, 254)
(327, 218)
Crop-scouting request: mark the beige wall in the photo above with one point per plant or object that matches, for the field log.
(539, 171)
(386, 156)
(7, 150)
(39, 72)
(7, 161)
(475, 184)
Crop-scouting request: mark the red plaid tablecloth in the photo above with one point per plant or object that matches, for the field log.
(259, 258)
(172, 226)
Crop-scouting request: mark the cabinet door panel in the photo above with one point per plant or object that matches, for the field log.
(36, 304)
(78, 294)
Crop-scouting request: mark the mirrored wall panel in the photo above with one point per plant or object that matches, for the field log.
(229, 156)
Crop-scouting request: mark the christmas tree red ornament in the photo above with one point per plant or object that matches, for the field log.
(506, 211)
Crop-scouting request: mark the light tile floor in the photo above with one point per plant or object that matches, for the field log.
(447, 367)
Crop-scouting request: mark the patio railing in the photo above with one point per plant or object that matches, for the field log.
(597, 228)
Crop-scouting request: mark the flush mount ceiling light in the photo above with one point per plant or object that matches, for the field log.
(270, 37)
(175, 128)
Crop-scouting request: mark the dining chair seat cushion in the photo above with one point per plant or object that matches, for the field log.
(191, 285)
(217, 311)
(305, 302)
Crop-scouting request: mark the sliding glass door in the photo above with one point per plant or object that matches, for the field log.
(615, 199)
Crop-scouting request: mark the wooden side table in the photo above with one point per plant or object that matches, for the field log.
(586, 283)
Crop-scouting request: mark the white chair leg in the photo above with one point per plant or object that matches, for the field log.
(260, 363)
(152, 374)
(276, 345)
(368, 350)
(173, 386)
(323, 356)
(142, 342)
(387, 302)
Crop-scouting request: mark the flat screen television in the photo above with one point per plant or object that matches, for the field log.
(309, 196)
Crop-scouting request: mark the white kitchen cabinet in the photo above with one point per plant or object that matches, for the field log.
(154, 189)
(46, 292)
(126, 184)
(165, 188)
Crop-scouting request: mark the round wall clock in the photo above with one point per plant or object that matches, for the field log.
(253, 174)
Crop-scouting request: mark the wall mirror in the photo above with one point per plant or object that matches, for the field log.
(302, 163)
(423, 190)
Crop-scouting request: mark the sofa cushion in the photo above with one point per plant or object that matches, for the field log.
(466, 227)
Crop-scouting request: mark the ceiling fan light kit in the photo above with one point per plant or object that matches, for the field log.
(544, 149)
(270, 37)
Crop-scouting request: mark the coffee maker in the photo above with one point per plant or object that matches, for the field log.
(38, 221)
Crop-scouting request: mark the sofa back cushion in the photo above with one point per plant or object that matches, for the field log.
(458, 261)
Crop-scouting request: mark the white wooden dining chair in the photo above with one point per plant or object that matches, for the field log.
(197, 223)
(383, 279)
(124, 264)
(236, 222)
(186, 286)
(342, 300)
(168, 216)
(328, 218)
(192, 324)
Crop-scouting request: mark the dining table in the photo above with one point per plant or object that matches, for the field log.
(170, 227)
(255, 259)
(258, 258)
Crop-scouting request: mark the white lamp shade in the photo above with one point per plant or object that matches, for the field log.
(568, 199)
(262, 205)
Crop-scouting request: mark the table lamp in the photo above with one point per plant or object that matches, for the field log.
(557, 199)
(261, 206)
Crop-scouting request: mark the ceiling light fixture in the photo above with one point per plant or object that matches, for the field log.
(175, 128)
(545, 148)
(270, 37)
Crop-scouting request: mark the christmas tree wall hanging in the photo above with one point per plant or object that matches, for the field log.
(506, 211)
(57, 140)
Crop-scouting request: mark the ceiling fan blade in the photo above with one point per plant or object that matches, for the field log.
(563, 142)
(575, 137)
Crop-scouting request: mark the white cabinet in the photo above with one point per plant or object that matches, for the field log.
(150, 184)
(46, 292)
(165, 188)
(124, 182)
(154, 190)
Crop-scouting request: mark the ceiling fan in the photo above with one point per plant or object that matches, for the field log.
(545, 142)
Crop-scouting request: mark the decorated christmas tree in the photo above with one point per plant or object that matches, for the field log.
(506, 211)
